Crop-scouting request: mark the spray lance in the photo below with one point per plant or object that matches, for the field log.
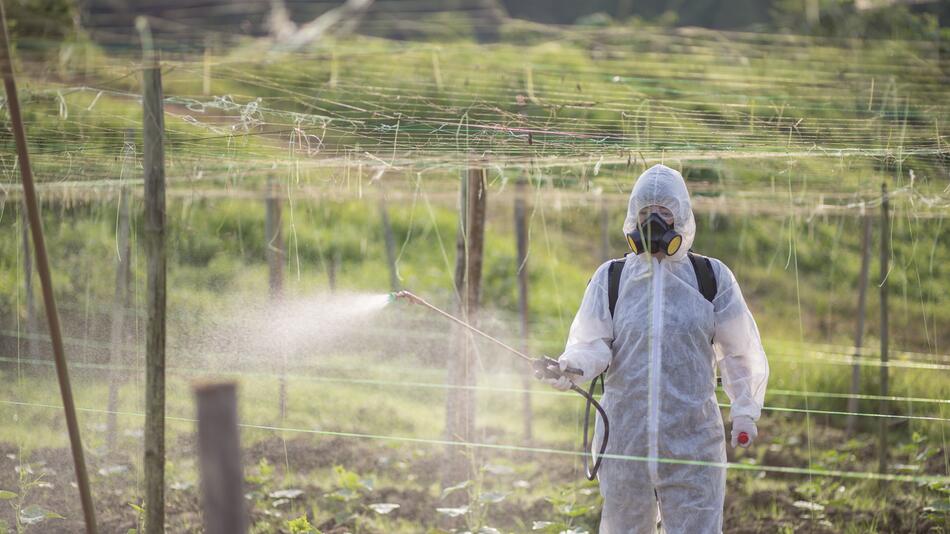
(543, 367)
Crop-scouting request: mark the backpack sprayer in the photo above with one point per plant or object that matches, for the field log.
(544, 367)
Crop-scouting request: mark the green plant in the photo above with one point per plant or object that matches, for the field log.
(576, 509)
(347, 496)
(480, 499)
(25, 514)
(301, 525)
(139, 518)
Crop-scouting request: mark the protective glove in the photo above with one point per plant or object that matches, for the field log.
(743, 425)
(562, 382)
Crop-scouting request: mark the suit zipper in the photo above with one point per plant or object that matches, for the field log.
(654, 373)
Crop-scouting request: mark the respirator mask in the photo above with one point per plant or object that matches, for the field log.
(654, 234)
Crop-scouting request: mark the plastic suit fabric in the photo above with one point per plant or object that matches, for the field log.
(662, 347)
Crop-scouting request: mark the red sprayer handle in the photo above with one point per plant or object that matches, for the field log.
(743, 438)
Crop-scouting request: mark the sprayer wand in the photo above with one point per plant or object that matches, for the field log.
(415, 299)
(544, 367)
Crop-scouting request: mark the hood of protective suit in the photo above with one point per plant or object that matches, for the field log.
(662, 186)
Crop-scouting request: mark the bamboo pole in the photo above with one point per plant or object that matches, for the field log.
(219, 456)
(46, 281)
(859, 331)
(153, 126)
(885, 259)
(521, 238)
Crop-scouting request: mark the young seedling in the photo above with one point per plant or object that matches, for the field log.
(24, 514)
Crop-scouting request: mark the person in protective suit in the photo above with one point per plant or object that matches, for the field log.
(660, 350)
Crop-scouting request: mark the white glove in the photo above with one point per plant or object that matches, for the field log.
(743, 425)
(565, 381)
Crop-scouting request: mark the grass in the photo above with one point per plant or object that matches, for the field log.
(216, 254)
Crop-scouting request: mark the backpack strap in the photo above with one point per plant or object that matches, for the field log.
(702, 267)
(705, 275)
(613, 283)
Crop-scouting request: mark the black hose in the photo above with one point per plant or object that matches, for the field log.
(591, 472)
(548, 368)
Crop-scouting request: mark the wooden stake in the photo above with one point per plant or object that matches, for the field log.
(436, 70)
(273, 234)
(154, 164)
(390, 245)
(521, 238)
(331, 272)
(219, 455)
(885, 258)
(274, 251)
(123, 275)
(859, 333)
(206, 70)
(474, 240)
(46, 281)
(460, 402)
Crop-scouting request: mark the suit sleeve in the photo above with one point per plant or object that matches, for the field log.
(591, 337)
(742, 362)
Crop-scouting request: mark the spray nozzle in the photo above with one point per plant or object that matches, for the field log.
(393, 297)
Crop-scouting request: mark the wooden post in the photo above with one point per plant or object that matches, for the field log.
(460, 241)
(219, 455)
(274, 245)
(120, 300)
(206, 69)
(859, 333)
(46, 279)
(885, 259)
(331, 271)
(390, 245)
(436, 71)
(274, 250)
(153, 120)
(460, 401)
(521, 237)
(812, 12)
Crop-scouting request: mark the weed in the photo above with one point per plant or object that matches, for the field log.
(301, 525)
(27, 514)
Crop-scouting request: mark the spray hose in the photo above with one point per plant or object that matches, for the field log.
(544, 368)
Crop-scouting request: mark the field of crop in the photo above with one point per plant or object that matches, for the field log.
(361, 145)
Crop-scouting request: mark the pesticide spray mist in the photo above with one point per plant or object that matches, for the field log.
(250, 335)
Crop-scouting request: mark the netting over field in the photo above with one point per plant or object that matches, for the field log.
(785, 142)
(570, 99)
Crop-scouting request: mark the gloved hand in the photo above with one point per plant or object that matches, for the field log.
(562, 382)
(743, 425)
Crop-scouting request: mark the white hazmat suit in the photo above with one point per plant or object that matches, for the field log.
(662, 347)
